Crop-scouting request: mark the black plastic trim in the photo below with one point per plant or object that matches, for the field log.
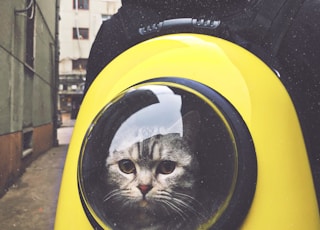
(179, 22)
(244, 191)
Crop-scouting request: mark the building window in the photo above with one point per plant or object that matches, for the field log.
(81, 4)
(30, 33)
(80, 33)
(79, 64)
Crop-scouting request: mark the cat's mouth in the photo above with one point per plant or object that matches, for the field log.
(143, 203)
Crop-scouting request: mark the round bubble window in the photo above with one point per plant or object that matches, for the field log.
(167, 154)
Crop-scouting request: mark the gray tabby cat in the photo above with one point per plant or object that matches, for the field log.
(152, 183)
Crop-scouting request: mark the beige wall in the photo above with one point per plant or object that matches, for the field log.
(70, 48)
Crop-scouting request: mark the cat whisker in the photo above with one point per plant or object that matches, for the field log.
(115, 194)
(175, 209)
(111, 194)
(184, 195)
(192, 204)
(185, 201)
(190, 207)
(164, 194)
(188, 197)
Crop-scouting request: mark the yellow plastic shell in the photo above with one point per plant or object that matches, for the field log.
(285, 195)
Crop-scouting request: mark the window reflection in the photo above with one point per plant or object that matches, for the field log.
(159, 156)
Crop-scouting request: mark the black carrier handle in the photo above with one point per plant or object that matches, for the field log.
(179, 22)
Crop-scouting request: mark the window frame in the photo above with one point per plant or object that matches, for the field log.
(79, 62)
(82, 4)
(30, 35)
(83, 32)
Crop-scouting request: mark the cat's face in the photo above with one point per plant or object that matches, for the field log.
(155, 178)
(150, 171)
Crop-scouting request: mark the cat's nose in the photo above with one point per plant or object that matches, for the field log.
(144, 188)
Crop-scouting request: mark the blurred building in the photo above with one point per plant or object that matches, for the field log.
(29, 82)
(79, 24)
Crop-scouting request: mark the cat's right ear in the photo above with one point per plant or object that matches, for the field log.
(191, 126)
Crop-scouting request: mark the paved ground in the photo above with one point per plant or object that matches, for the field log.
(30, 204)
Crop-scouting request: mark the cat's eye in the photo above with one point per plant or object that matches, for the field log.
(166, 167)
(127, 166)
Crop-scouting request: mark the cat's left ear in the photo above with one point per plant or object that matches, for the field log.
(191, 126)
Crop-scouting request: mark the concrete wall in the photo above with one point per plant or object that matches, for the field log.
(27, 94)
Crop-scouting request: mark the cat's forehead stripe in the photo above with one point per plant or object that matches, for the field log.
(152, 149)
(156, 151)
(135, 152)
(145, 151)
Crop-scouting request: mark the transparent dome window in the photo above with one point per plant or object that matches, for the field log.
(159, 156)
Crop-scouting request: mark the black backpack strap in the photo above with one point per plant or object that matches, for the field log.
(272, 22)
